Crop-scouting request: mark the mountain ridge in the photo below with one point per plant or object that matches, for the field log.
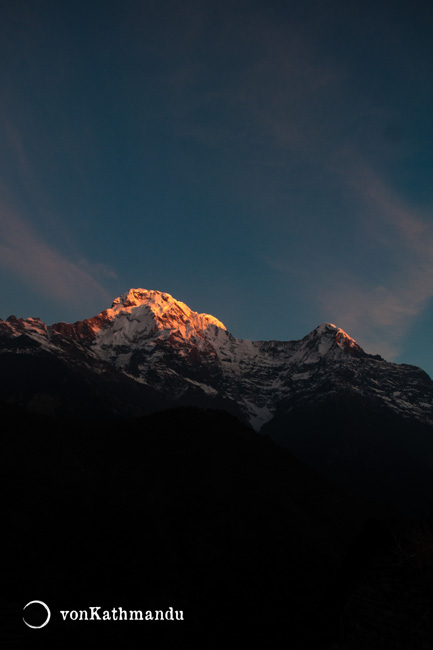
(160, 343)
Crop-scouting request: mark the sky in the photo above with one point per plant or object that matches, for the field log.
(269, 163)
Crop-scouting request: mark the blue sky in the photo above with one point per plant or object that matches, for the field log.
(269, 163)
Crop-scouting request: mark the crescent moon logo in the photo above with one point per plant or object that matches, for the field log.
(39, 602)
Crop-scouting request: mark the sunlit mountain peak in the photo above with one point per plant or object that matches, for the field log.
(341, 336)
(327, 339)
(163, 307)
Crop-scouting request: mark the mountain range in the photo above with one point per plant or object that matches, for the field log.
(271, 501)
(355, 417)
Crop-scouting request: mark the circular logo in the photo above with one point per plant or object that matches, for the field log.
(39, 602)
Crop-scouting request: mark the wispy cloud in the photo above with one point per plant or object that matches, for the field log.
(97, 270)
(24, 253)
(384, 310)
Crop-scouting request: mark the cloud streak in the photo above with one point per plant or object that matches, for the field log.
(384, 310)
(25, 254)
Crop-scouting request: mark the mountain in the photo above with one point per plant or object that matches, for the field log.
(226, 527)
(192, 509)
(353, 416)
(162, 345)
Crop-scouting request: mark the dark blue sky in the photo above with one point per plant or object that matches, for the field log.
(269, 163)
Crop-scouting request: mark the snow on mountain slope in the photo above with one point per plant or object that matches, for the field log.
(161, 343)
(142, 317)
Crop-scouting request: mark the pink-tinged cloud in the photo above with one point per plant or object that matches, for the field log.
(384, 312)
(25, 254)
(379, 317)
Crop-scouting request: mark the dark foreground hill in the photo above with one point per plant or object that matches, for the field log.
(363, 447)
(187, 509)
(190, 509)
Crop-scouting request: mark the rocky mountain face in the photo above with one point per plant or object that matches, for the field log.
(323, 397)
(160, 344)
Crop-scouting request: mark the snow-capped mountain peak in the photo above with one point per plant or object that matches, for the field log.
(331, 341)
(146, 318)
(163, 308)
(332, 331)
